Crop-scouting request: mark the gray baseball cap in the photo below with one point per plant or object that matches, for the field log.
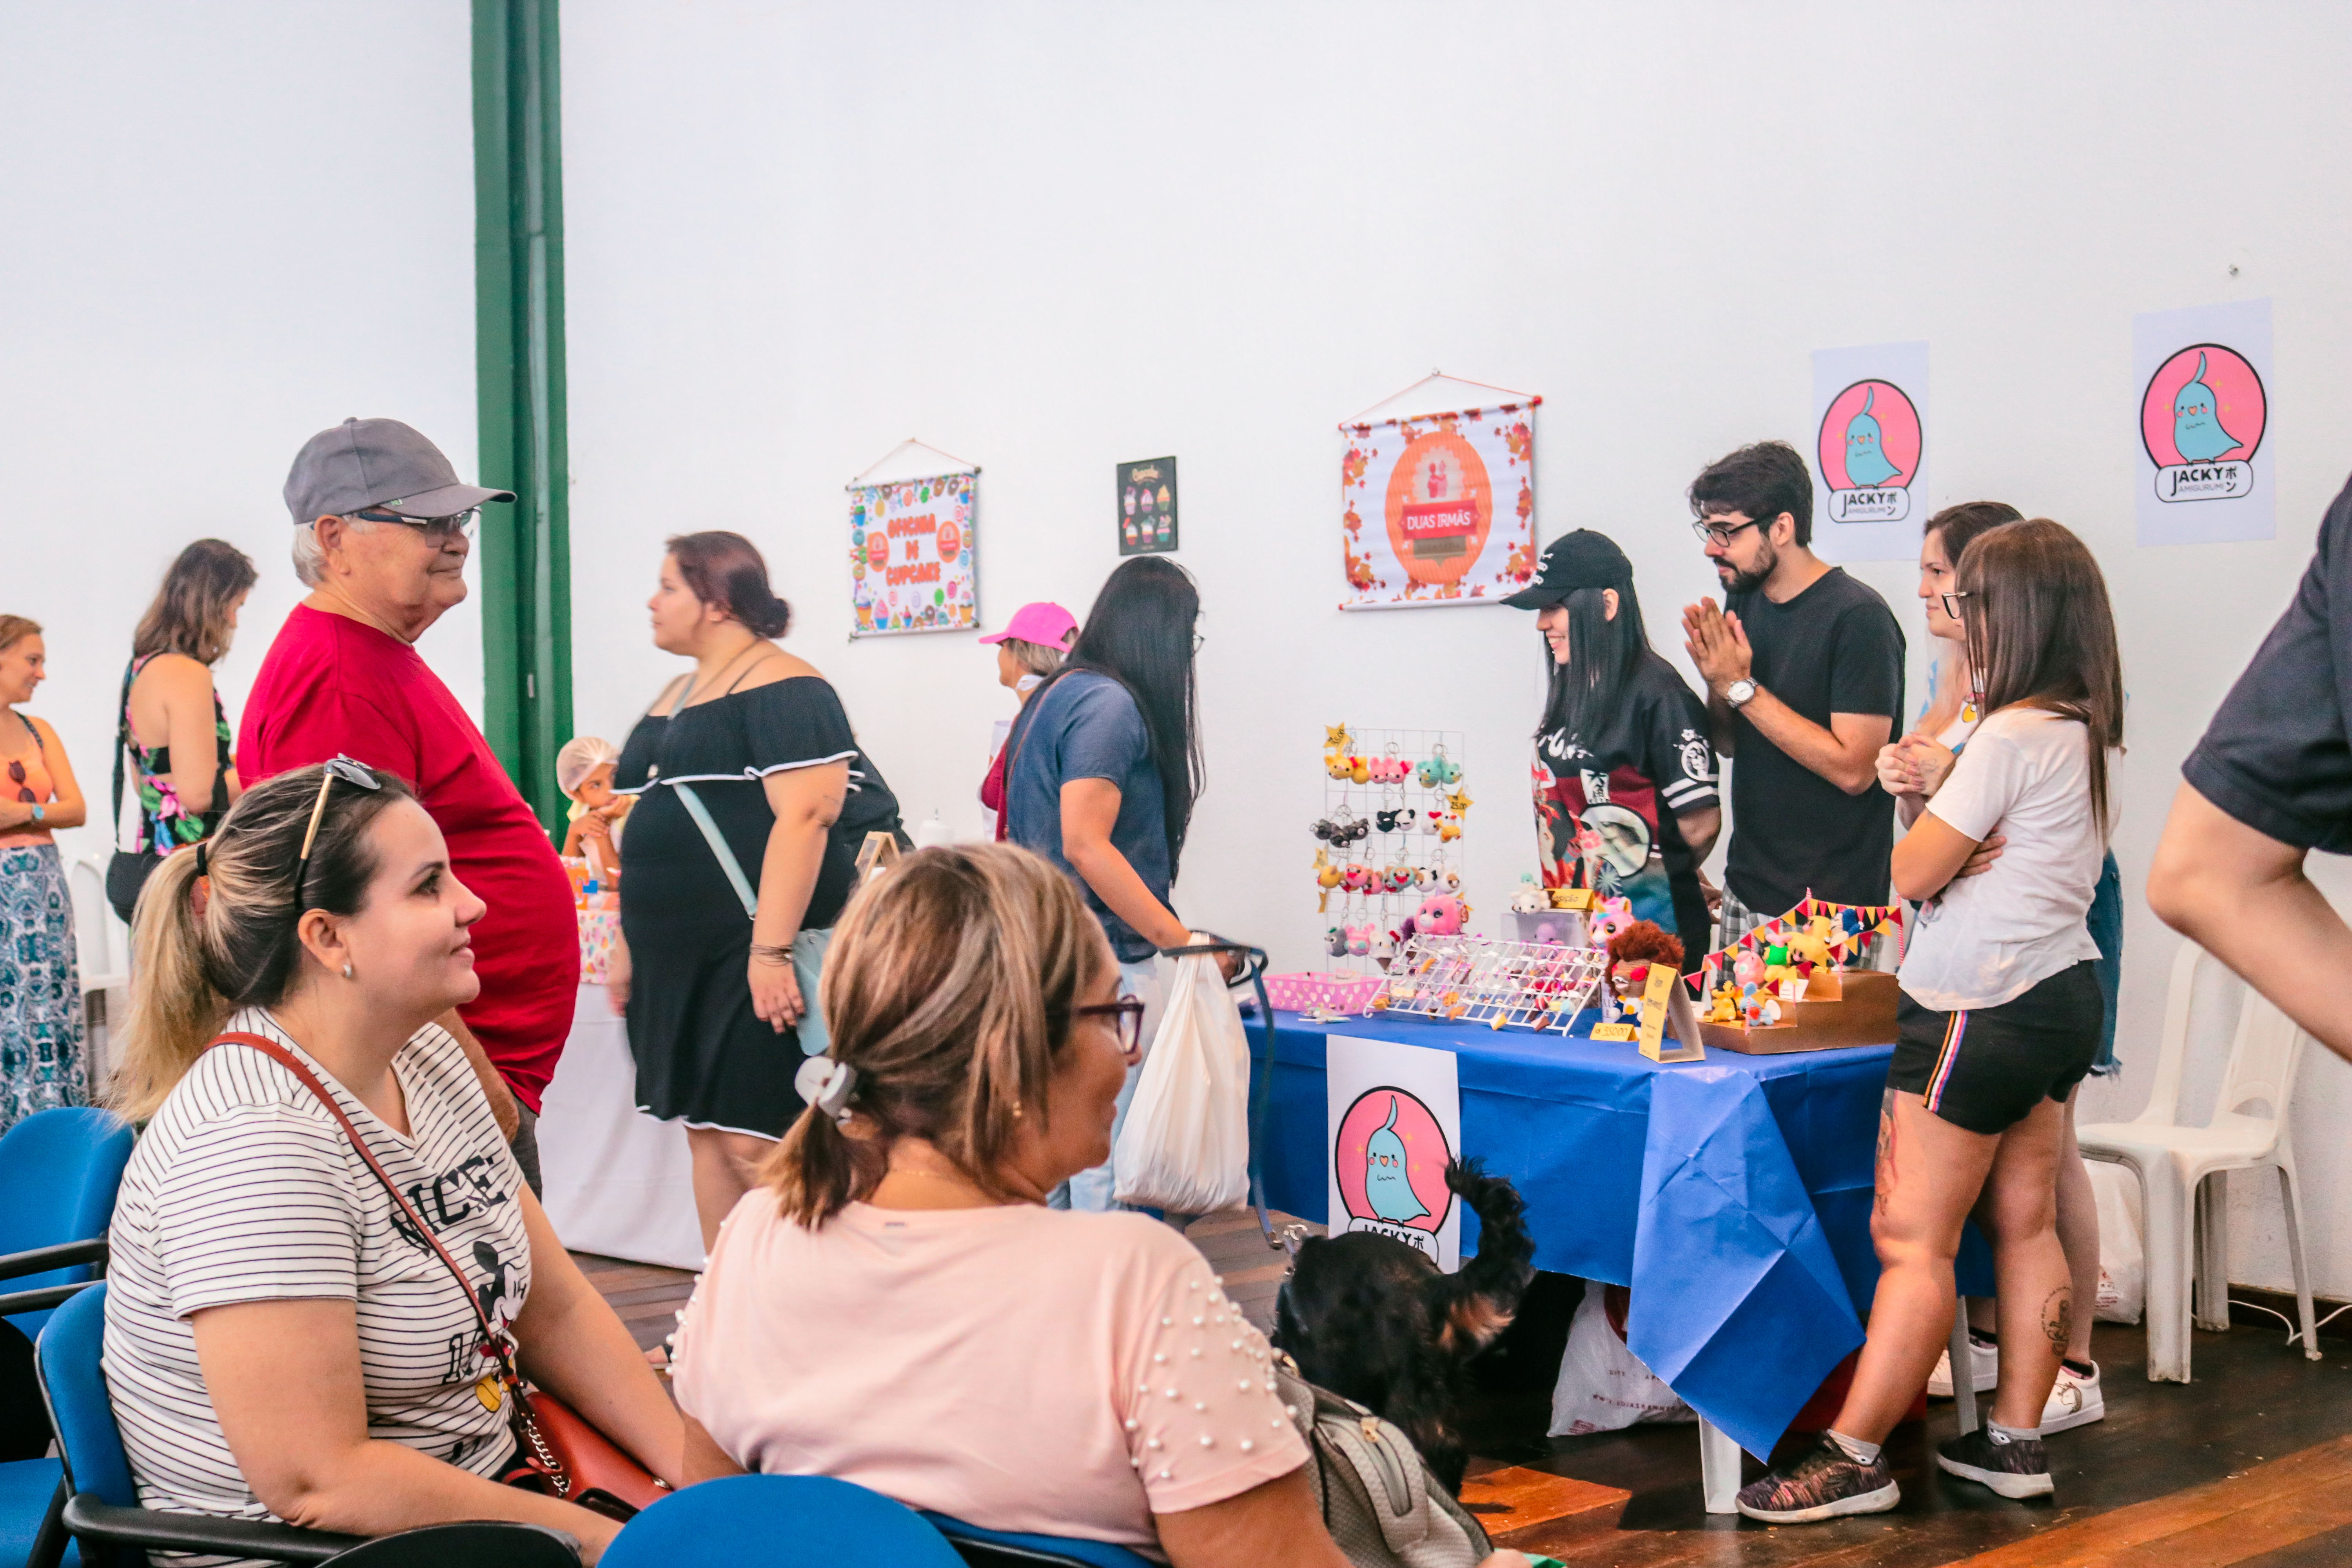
(382, 463)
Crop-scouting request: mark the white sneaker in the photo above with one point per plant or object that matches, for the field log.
(2074, 1401)
(1985, 1361)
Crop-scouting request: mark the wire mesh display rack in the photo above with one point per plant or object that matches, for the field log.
(1487, 979)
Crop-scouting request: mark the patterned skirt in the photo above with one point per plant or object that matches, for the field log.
(40, 986)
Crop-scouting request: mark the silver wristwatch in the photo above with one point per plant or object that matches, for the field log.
(1739, 693)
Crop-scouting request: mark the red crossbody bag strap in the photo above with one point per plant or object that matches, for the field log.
(501, 1346)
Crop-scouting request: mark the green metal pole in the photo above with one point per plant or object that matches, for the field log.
(520, 393)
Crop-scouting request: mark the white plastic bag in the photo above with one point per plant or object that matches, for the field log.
(1185, 1146)
(1603, 1387)
(2123, 1263)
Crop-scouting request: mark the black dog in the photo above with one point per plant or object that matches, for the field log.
(1372, 1320)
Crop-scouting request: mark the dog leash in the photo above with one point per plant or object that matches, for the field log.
(1262, 1089)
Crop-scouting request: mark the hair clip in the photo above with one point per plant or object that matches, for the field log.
(827, 1084)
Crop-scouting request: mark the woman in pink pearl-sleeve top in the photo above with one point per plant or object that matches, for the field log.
(895, 1305)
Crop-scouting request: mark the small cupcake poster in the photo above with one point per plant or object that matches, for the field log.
(1147, 506)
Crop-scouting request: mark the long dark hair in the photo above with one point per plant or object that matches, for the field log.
(1602, 655)
(728, 570)
(2043, 635)
(1139, 633)
(190, 614)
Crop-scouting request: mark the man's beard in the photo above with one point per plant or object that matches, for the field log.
(1740, 581)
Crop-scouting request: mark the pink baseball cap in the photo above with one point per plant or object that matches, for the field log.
(1044, 622)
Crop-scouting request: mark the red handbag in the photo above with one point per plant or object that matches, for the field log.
(557, 1451)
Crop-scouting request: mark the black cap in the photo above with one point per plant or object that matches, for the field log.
(1580, 560)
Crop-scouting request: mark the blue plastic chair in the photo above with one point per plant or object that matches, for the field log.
(1007, 1548)
(779, 1521)
(59, 1173)
(103, 1511)
(60, 1170)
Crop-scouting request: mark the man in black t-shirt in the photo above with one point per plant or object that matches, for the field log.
(1804, 672)
(1624, 752)
(2271, 782)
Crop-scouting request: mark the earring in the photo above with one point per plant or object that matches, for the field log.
(347, 972)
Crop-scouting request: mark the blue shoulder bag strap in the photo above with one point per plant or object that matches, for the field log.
(718, 847)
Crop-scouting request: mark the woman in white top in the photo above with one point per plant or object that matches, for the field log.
(897, 1306)
(1999, 1019)
(279, 1344)
(1912, 769)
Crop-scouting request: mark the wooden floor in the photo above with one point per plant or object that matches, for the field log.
(2249, 1467)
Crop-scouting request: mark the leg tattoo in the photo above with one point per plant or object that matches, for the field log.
(1885, 1173)
(2058, 1317)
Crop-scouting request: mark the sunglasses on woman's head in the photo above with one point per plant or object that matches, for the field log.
(340, 767)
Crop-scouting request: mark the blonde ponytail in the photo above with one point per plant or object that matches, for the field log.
(174, 1007)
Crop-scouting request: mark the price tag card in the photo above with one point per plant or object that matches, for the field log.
(1663, 1000)
(1612, 1032)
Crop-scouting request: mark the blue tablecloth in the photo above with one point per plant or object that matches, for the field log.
(1732, 1195)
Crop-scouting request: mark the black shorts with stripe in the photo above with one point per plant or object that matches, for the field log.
(1985, 1069)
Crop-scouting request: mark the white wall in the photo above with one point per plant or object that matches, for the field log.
(229, 225)
(1051, 236)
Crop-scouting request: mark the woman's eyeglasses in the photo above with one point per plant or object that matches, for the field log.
(1127, 1011)
(1952, 601)
(349, 771)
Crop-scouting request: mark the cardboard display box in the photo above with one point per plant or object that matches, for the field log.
(1863, 1016)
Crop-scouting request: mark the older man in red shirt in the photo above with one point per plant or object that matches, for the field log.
(380, 537)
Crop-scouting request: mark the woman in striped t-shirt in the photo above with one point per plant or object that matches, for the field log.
(279, 1343)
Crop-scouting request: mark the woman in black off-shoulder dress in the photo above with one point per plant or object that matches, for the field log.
(720, 1005)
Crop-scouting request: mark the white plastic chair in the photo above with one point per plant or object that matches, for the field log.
(2186, 1217)
(104, 956)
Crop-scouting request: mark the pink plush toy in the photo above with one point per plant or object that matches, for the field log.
(1360, 939)
(1612, 916)
(1439, 915)
(1748, 968)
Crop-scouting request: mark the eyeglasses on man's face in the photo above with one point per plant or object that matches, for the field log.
(1126, 1022)
(439, 529)
(1718, 533)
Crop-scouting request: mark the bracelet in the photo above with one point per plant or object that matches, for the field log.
(764, 952)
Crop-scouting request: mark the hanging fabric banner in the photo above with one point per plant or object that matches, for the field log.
(1439, 508)
(911, 555)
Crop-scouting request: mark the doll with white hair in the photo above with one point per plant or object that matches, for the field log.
(583, 772)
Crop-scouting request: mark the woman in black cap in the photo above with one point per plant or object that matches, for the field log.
(1622, 751)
